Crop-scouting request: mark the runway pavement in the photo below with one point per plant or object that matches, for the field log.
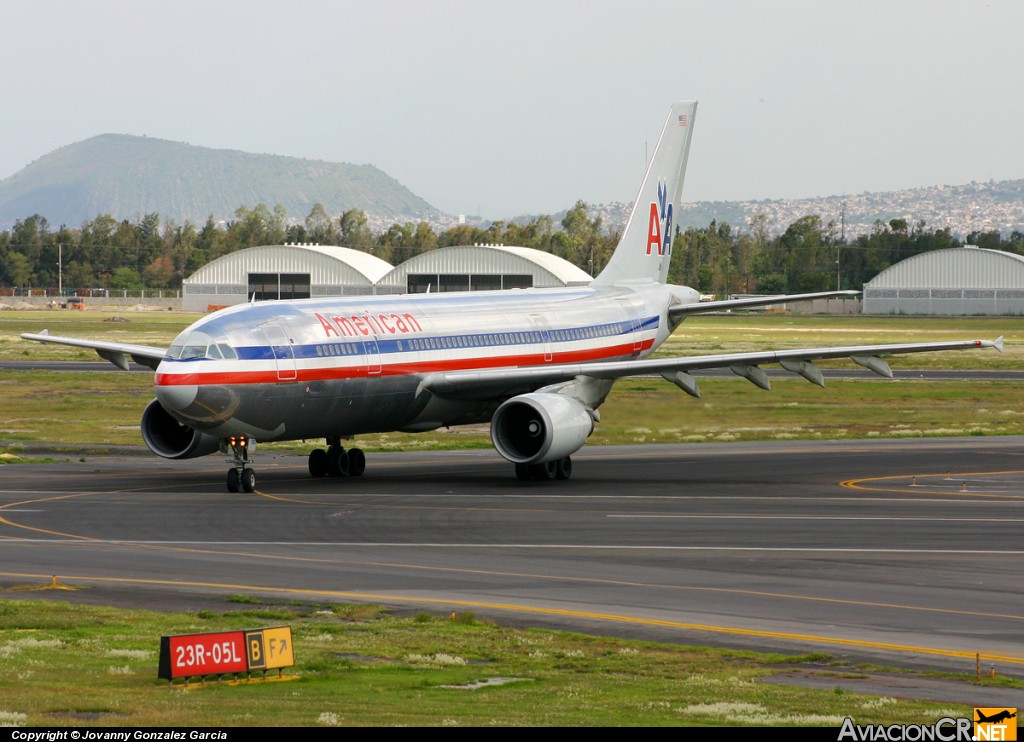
(904, 552)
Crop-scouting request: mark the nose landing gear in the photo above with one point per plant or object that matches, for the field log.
(240, 476)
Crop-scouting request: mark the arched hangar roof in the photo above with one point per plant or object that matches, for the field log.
(958, 267)
(325, 264)
(547, 269)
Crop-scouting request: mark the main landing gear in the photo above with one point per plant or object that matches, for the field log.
(336, 461)
(240, 475)
(559, 469)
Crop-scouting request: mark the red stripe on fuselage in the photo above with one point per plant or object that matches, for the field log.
(269, 376)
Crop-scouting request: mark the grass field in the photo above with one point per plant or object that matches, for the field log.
(68, 666)
(143, 328)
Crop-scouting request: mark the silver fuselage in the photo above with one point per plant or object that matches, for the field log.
(315, 368)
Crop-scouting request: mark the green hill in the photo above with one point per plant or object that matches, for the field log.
(129, 176)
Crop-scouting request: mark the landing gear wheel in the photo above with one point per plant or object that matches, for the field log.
(563, 468)
(356, 462)
(545, 472)
(337, 461)
(240, 475)
(318, 463)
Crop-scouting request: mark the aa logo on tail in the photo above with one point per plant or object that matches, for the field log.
(659, 224)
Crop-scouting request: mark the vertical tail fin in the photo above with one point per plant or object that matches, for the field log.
(645, 250)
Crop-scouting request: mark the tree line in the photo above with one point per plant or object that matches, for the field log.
(156, 253)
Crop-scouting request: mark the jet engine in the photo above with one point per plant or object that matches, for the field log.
(167, 437)
(540, 427)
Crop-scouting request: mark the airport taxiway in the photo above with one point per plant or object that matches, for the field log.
(904, 552)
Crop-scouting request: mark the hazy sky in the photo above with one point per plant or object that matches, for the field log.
(503, 108)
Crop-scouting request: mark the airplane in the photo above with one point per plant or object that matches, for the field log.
(1003, 715)
(536, 363)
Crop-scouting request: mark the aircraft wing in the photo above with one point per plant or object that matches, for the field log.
(487, 383)
(682, 310)
(117, 353)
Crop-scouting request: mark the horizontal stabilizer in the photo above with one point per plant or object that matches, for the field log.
(749, 302)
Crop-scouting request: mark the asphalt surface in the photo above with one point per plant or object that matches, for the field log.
(898, 552)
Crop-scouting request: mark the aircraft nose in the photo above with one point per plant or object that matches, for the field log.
(178, 397)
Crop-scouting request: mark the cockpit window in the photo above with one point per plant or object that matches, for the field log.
(197, 345)
(193, 351)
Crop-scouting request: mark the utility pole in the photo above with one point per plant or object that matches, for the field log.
(60, 269)
(842, 240)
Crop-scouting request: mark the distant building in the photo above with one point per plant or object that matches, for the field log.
(960, 281)
(291, 271)
(479, 268)
(301, 271)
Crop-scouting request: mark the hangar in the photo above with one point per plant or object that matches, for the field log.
(290, 271)
(481, 268)
(960, 281)
(300, 271)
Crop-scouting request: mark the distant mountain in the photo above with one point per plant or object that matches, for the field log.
(130, 176)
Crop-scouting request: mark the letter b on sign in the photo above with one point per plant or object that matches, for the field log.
(255, 651)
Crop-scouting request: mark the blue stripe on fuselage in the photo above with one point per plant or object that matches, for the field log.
(409, 343)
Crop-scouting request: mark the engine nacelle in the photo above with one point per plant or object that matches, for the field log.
(167, 437)
(540, 427)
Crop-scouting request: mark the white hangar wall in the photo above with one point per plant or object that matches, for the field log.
(481, 267)
(297, 271)
(959, 281)
(291, 271)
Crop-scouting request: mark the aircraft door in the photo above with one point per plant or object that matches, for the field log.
(372, 351)
(281, 346)
(632, 314)
(540, 325)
